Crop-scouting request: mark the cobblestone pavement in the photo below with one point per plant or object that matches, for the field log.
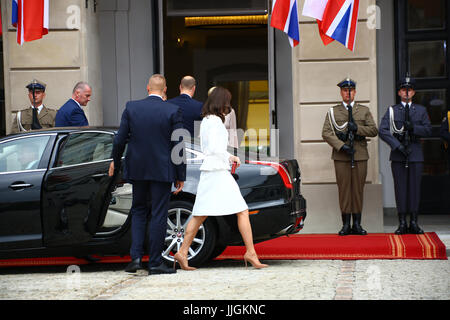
(229, 280)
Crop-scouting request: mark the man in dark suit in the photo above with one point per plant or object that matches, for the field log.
(401, 128)
(71, 114)
(190, 107)
(147, 127)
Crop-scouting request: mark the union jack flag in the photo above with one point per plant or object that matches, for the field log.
(285, 18)
(337, 20)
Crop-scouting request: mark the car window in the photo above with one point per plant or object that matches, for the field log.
(86, 147)
(22, 154)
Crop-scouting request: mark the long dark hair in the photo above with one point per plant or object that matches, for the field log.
(218, 103)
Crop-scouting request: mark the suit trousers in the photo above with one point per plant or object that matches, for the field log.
(351, 185)
(407, 185)
(149, 213)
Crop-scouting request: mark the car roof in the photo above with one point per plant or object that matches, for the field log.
(61, 130)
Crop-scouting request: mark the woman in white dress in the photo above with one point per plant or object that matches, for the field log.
(218, 193)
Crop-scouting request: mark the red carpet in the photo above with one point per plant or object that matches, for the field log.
(330, 247)
(307, 247)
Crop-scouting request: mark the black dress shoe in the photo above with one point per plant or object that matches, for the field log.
(134, 265)
(161, 269)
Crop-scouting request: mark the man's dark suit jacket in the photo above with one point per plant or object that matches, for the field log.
(147, 127)
(71, 115)
(191, 109)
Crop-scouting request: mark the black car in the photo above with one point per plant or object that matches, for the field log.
(56, 199)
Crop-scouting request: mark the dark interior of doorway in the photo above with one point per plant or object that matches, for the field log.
(234, 56)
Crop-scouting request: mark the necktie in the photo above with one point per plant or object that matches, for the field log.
(35, 125)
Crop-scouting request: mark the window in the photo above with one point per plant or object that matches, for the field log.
(22, 154)
(86, 147)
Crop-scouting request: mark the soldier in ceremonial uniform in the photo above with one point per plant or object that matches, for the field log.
(37, 116)
(345, 129)
(401, 128)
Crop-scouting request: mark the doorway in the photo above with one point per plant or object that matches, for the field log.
(423, 36)
(2, 89)
(222, 43)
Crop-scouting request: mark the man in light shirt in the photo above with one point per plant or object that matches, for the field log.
(71, 114)
(37, 116)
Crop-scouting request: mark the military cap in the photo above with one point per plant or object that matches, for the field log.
(347, 83)
(37, 85)
(407, 82)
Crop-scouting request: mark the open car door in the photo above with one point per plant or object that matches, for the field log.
(77, 189)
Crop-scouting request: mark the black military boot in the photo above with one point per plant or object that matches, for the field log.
(402, 227)
(346, 217)
(357, 229)
(413, 226)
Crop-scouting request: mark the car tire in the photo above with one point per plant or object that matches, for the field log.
(218, 250)
(204, 242)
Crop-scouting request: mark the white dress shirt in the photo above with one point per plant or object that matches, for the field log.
(39, 108)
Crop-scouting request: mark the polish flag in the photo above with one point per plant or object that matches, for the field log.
(30, 17)
(285, 18)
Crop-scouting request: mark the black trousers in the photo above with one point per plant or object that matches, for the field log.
(149, 211)
(407, 185)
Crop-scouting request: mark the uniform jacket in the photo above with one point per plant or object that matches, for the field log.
(366, 128)
(46, 119)
(214, 141)
(422, 128)
(71, 115)
(147, 126)
(191, 110)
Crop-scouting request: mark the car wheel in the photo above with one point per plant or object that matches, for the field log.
(180, 212)
(218, 250)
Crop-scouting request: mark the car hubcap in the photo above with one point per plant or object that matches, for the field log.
(177, 221)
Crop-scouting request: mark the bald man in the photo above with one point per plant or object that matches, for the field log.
(190, 107)
(71, 114)
(147, 126)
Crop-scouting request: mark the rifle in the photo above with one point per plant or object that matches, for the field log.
(407, 138)
(351, 135)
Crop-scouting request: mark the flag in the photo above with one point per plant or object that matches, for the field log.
(30, 17)
(285, 18)
(1, 28)
(339, 20)
(314, 8)
(14, 13)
